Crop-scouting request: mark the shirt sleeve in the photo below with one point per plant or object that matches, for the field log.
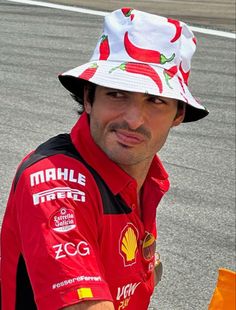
(59, 216)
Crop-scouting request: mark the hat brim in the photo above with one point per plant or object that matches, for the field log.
(136, 77)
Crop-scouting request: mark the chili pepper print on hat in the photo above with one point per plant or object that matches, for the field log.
(141, 52)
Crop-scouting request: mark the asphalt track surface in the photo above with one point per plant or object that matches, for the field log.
(196, 219)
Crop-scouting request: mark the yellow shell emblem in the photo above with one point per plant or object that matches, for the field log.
(129, 245)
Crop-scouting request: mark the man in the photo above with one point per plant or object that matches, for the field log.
(79, 230)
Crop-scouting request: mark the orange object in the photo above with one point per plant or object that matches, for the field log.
(224, 295)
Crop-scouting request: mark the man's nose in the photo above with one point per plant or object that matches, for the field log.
(134, 113)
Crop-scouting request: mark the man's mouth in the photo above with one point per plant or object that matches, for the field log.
(127, 138)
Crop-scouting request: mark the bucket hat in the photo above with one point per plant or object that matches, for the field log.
(141, 52)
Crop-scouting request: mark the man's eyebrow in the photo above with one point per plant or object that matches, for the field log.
(114, 89)
(153, 96)
(146, 95)
(160, 97)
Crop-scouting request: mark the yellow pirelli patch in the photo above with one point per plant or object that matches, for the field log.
(85, 292)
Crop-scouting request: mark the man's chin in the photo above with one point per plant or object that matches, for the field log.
(124, 159)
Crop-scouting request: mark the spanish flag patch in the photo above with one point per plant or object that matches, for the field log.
(85, 292)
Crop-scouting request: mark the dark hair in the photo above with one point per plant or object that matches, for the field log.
(91, 95)
(181, 105)
(181, 108)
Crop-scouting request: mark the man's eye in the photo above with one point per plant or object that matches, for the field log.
(115, 94)
(157, 100)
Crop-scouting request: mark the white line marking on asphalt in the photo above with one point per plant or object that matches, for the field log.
(218, 33)
(213, 32)
(60, 7)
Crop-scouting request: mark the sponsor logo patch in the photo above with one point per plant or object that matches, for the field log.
(126, 290)
(58, 193)
(85, 292)
(63, 220)
(71, 249)
(54, 174)
(76, 280)
(129, 244)
(124, 294)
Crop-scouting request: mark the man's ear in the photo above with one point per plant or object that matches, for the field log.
(87, 104)
(179, 117)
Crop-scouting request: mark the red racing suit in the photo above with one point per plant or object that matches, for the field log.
(72, 230)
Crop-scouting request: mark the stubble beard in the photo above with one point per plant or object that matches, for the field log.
(122, 155)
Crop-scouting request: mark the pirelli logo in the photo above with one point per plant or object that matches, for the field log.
(58, 193)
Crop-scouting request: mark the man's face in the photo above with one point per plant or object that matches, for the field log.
(130, 127)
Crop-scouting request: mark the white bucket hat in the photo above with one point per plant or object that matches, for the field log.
(141, 52)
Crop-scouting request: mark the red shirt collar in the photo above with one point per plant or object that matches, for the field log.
(97, 159)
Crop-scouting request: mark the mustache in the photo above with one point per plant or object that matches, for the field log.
(125, 126)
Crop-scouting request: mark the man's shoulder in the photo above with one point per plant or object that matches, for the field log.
(55, 158)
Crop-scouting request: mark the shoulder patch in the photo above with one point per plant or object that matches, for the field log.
(62, 144)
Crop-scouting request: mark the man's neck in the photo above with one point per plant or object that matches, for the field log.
(138, 172)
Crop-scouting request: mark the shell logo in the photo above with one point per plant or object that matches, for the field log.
(128, 244)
